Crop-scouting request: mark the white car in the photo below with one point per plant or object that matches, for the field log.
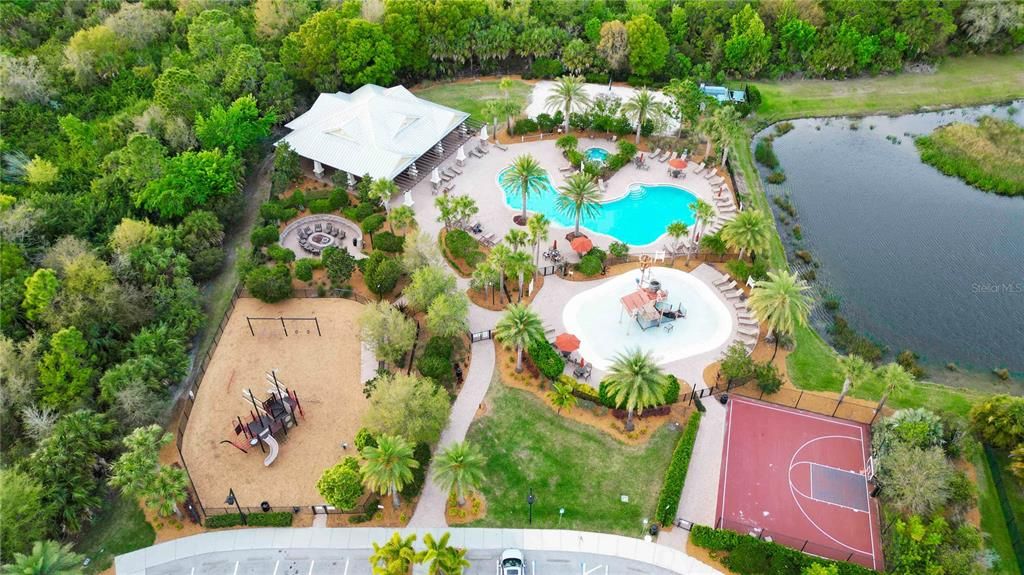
(512, 562)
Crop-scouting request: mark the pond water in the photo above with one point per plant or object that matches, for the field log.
(919, 260)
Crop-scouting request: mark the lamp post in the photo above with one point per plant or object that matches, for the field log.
(530, 500)
(561, 512)
(644, 530)
(232, 500)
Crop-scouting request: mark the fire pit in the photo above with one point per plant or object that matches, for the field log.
(320, 240)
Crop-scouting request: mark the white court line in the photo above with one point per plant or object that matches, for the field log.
(346, 566)
(311, 563)
(276, 565)
(236, 568)
(725, 471)
(795, 411)
(865, 451)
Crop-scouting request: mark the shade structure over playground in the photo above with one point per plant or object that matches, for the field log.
(581, 244)
(677, 163)
(567, 342)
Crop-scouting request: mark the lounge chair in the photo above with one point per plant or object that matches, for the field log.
(656, 152)
(341, 234)
(698, 168)
(566, 169)
(752, 332)
(720, 281)
(734, 295)
(456, 170)
(308, 230)
(748, 322)
(446, 177)
(728, 286)
(329, 228)
(501, 147)
(318, 227)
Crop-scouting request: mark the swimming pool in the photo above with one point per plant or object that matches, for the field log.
(638, 218)
(595, 316)
(599, 155)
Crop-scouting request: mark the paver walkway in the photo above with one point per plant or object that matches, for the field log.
(430, 509)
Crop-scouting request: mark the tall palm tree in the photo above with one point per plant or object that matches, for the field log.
(895, 380)
(855, 371)
(561, 396)
(525, 177)
(703, 214)
(499, 257)
(677, 230)
(780, 303)
(568, 95)
(537, 227)
(748, 231)
(520, 264)
(401, 218)
(395, 557)
(484, 277)
(518, 328)
(388, 467)
(46, 558)
(635, 381)
(579, 197)
(443, 559)
(721, 125)
(517, 239)
(642, 107)
(459, 469)
(382, 190)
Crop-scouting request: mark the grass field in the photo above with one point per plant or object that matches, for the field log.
(568, 465)
(119, 527)
(472, 96)
(961, 81)
(993, 521)
(988, 156)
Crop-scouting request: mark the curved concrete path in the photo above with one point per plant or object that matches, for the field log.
(346, 552)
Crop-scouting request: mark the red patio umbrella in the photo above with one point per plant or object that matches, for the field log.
(567, 342)
(677, 163)
(581, 244)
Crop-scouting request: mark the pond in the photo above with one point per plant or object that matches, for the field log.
(918, 260)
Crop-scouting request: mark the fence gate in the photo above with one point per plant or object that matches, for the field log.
(481, 336)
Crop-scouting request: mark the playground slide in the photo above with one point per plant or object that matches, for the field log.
(270, 441)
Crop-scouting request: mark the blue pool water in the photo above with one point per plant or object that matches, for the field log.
(599, 155)
(638, 218)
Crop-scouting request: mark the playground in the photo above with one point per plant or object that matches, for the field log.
(270, 440)
(799, 479)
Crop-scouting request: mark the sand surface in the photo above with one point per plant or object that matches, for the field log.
(324, 372)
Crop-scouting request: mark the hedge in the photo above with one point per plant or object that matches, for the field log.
(419, 475)
(372, 223)
(388, 242)
(321, 206)
(773, 553)
(271, 519)
(675, 476)
(547, 360)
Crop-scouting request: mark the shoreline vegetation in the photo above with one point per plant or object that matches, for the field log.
(988, 156)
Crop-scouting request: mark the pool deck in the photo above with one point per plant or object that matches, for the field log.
(479, 181)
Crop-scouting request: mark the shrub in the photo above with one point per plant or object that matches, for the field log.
(270, 285)
(270, 519)
(546, 68)
(436, 367)
(322, 206)
(754, 99)
(741, 270)
(280, 254)
(372, 223)
(439, 346)
(361, 211)
(304, 268)
(338, 198)
(908, 359)
(713, 243)
(566, 143)
(777, 177)
(419, 475)
(804, 256)
(369, 510)
(618, 249)
(381, 272)
(364, 439)
(626, 149)
(342, 485)
(546, 123)
(798, 232)
(547, 359)
(273, 211)
(783, 128)
(339, 264)
(580, 389)
(999, 421)
(297, 200)
(671, 389)
(616, 162)
(597, 78)
(748, 557)
(736, 364)
(768, 379)
(264, 236)
(388, 242)
(575, 157)
(849, 341)
(675, 476)
(782, 559)
(463, 246)
(524, 126)
(590, 266)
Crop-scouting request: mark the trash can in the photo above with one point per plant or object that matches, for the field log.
(723, 398)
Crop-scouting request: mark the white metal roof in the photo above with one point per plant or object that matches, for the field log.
(374, 130)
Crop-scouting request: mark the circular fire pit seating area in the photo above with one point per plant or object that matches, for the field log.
(308, 236)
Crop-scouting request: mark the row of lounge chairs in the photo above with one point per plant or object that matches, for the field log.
(747, 328)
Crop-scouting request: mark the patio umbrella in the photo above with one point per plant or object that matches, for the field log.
(567, 342)
(581, 244)
(483, 133)
(461, 154)
(677, 163)
(435, 177)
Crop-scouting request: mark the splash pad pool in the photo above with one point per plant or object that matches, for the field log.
(597, 317)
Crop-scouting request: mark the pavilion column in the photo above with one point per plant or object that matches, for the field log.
(318, 169)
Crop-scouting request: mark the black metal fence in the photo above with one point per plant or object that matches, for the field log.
(481, 336)
(798, 543)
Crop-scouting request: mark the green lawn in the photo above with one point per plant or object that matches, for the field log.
(568, 465)
(473, 96)
(964, 81)
(993, 521)
(119, 527)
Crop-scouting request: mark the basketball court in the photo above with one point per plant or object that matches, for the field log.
(801, 480)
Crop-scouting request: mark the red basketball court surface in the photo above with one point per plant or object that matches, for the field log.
(801, 480)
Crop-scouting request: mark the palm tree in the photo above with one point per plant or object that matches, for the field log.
(382, 190)
(484, 277)
(388, 467)
(855, 371)
(579, 197)
(499, 257)
(459, 469)
(703, 213)
(518, 328)
(642, 107)
(525, 177)
(676, 230)
(517, 239)
(895, 379)
(568, 95)
(780, 303)
(442, 557)
(749, 231)
(446, 210)
(636, 382)
(46, 558)
(561, 396)
(401, 218)
(537, 227)
(396, 557)
(520, 264)
(719, 127)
